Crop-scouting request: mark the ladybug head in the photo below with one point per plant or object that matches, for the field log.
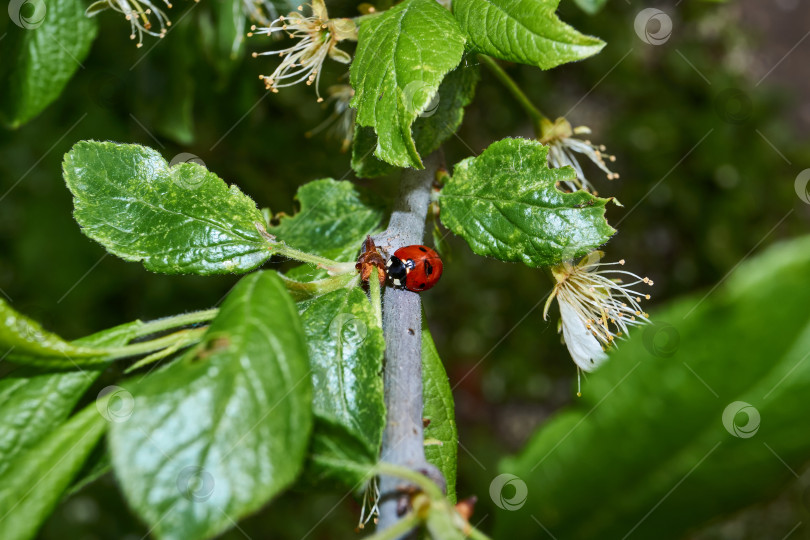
(397, 271)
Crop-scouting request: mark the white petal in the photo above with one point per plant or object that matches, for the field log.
(584, 348)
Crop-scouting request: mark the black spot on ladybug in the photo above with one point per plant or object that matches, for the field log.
(422, 286)
(428, 268)
(423, 249)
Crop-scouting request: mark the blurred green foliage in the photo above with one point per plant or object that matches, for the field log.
(721, 191)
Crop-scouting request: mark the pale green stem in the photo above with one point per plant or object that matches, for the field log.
(333, 267)
(524, 101)
(189, 339)
(166, 323)
(399, 529)
(375, 294)
(423, 482)
(145, 347)
(302, 290)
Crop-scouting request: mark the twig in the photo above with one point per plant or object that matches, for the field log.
(403, 439)
(524, 101)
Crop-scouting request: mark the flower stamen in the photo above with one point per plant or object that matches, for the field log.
(595, 307)
(563, 145)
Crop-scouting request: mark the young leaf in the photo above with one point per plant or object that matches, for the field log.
(505, 205)
(402, 57)
(179, 219)
(430, 130)
(213, 436)
(441, 436)
(524, 31)
(346, 354)
(53, 41)
(24, 340)
(333, 220)
(35, 480)
(674, 416)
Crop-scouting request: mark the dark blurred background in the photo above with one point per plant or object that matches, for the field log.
(709, 129)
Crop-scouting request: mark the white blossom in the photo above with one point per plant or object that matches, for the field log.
(564, 143)
(596, 307)
(144, 16)
(317, 38)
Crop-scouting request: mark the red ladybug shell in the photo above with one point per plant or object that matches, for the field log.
(424, 267)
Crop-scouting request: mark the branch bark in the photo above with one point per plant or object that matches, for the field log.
(403, 439)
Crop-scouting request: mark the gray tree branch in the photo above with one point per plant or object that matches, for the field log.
(403, 439)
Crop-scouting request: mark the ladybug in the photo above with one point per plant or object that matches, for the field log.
(416, 268)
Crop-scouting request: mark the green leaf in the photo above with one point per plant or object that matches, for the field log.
(179, 219)
(24, 340)
(34, 402)
(524, 31)
(97, 465)
(346, 353)
(430, 130)
(504, 203)
(650, 424)
(53, 41)
(402, 57)
(333, 221)
(441, 436)
(364, 164)
(213, 436)
(35, 480)
(591, 7)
